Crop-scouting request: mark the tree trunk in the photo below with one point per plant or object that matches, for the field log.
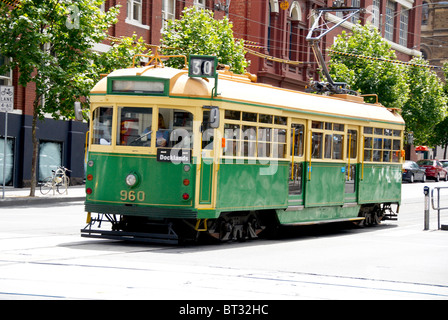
(35, 148)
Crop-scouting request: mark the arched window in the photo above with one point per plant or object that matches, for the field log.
(296, 38)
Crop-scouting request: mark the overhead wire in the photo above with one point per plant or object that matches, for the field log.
(384, 60)
(13, 3)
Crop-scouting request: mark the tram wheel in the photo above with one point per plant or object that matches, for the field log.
(230, 227)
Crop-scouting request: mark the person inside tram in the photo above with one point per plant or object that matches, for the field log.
(162, 134)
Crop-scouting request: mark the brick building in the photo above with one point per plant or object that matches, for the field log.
(281, 32)
(434, 36)
(276, 28)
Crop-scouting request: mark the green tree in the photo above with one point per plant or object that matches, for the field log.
(50, 43)
(426, 106)
(440, 137)
(197, 32)
(368, 76)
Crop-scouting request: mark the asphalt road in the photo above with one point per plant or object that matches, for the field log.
(42, 256)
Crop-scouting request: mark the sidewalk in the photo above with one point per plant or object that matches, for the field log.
(21, 196)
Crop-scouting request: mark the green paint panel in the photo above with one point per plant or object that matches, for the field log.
(158, 183)
(252, 186)
(206, 183)
(317, 214)
(325, 185)
(380, 183)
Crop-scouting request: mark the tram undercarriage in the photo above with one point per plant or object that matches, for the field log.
(231, 226)
(228, 227)
(375, 213)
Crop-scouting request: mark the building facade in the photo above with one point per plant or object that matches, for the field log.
(434, 36)
(280, 30)
(273, 28)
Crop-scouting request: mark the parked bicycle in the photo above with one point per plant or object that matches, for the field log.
(58, 181)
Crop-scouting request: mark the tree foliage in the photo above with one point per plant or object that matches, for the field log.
(415, 90)
(440, 137)
(426, 106)
(197, 32)
(50, 43)
(364, 75)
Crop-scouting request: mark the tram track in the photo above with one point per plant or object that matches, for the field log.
(271, 283)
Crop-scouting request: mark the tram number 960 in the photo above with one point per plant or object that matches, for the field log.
(132, 195)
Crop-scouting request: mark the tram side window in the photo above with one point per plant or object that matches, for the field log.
(279, 145)
(175, 129)
(353, 143)
(249, 134)
(297, 135)
(102, 125)
(316, 145)
(380, 145)
(249, 141)
(330, 142)
(134, 126)
(232, 135)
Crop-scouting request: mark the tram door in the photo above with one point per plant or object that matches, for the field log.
(206, 172)
(351, 171)
(296, 167)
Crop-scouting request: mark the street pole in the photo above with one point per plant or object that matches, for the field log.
(5, 140)
(6, 104)
(426, 192)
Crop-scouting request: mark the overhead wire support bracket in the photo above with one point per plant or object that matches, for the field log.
(319, 29)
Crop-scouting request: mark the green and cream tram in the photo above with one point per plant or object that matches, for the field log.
(172, 156)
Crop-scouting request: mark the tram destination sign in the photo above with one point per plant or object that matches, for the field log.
(202, 66)
(174, 155)
(6, 98)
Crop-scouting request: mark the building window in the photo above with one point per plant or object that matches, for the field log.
(9, 160)
(5, 78)
(168, 12)
(404, 21)
(135, 10)
(355, 4)
(270, 29)
(425, 13)
(389, 24)
(50, 158)
(376, 13)
(200, 4)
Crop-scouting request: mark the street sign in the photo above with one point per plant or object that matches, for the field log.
(6, 98)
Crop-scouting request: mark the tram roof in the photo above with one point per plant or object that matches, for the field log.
(240, 89)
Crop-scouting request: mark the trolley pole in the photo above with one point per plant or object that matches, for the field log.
(426, 192)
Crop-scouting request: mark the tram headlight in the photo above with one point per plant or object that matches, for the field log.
(131, 179)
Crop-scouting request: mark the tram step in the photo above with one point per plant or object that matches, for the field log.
(131, 236)
(390, 217)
